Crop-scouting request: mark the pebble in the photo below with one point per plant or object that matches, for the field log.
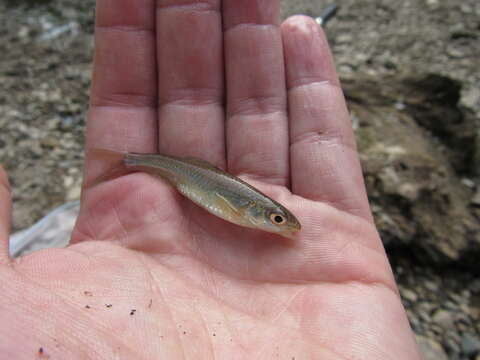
(431, 285)
(409, 295)
(344, 38)
(455, 297)
(471, 97)
(68, 181)
(433, 3)
(455, 52)
(465, 308)
(425, 316)
(476, 198)
(431, 349)
(74, 193)
(443, 318)
(450, 305)
(470, 344)
(475, 286)
(468, 182)
(466, 8)
(451, 345)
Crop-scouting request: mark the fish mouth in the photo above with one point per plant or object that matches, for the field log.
(295, 227)
(291, 233)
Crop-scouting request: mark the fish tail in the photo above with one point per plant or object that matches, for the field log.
(132, 160)
(116, 163)
(106, 154)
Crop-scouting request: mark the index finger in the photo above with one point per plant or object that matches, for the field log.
(123, 108)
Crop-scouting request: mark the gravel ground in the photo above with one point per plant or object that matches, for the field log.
(410, 72)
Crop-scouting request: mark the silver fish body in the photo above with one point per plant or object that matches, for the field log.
(220, 193)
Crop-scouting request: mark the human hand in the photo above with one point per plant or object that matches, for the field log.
(203, 288)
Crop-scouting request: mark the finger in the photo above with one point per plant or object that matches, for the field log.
(5, 215)
(123, 101)
(190, 75)
(257, 128)
(324, 159)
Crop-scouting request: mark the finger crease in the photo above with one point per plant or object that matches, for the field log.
(125, 28)
(322, 138)
(125, 100)
(250, 25)
(192, 96)
(191, 5)
(258, 105)
(191, 101)
(312, 81)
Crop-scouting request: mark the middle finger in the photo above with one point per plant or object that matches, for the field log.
(190, 76)
(257, 128)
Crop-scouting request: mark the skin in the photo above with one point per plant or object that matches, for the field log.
(203, 288)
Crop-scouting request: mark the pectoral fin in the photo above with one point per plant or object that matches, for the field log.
(229, 204)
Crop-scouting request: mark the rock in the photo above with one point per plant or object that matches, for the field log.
(471, 97)
(465, 308)
(450, 305)
(443, 318)
(425, 316)
(431, 285)
(420, 196)
(431, 349)
(415, 322)
(476, 198)
(344, 38)
(455, 52)
(470, 344)
(455, 297)
(468, 183)
(74, 192)
(475, 286)
(451, 342)
(409, 295)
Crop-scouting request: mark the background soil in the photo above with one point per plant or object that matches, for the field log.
(410, 74)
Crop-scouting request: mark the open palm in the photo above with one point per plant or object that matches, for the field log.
(151, 275)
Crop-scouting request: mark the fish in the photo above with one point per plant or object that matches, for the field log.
(220, 193)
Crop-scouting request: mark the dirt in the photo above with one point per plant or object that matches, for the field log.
(410, 74)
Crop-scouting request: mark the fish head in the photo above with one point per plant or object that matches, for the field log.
(274, 218)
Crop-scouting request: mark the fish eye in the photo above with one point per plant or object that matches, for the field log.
(278, 219)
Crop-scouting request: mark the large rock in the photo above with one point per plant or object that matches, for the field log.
(414, 162)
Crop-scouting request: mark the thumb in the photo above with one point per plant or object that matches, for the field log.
(5, 215)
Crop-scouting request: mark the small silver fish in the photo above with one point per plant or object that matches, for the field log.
(218, 192)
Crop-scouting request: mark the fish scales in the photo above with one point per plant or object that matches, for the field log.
(217, 191)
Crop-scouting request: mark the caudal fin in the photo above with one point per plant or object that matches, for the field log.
(113, 162)
(106, 155)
